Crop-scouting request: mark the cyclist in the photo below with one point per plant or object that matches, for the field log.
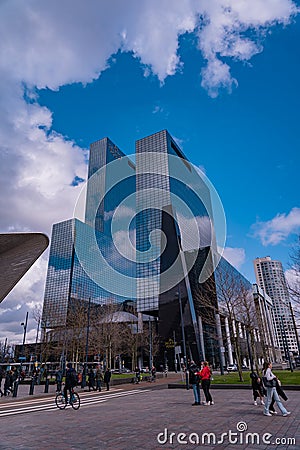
(71, 380)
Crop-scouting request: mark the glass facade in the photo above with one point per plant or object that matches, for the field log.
(82, 255)
(67, 280)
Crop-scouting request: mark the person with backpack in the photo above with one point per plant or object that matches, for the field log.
(71, 380)
(205, 376)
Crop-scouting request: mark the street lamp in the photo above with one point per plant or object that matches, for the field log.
(86, 345)
(25, 329)
(178, 294)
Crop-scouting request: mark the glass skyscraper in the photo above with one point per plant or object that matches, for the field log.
(270, 277)
(73, 268)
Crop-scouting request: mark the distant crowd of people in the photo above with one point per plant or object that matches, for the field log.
(9, 376)
(93, 379)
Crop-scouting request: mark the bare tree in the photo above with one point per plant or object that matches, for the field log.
(227, 296)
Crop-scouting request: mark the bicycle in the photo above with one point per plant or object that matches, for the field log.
(61, 402)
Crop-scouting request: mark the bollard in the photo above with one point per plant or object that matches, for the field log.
(15, 391)
(46, 386)
(31, 389)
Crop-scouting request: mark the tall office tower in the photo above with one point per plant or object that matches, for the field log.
(167, 185)
(163, 178)
(75, 273)
(270, 277)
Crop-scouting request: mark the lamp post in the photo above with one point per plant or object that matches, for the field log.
(24, 335)
(150, 346)
(36, 339)
(183, 338)
(86, 345)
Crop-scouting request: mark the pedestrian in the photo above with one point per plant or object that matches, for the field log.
(71, 380)
(99, 378)
(137, 375)
(58, 379)
(269, 381)
(257, 388)
(194, 380)
(8, 382)
(282, 394)
(107, 377)
(153, 373)
(205, 376)
(91, 379)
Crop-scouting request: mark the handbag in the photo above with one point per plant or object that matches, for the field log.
(269, 383)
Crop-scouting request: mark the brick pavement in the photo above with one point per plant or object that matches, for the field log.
(133, 422)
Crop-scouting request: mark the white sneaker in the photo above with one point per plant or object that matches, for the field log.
(207, 404)
(274, 413)
(286, 414)
(255, 403)
(262, 402)
(212, 403)
(267, 414)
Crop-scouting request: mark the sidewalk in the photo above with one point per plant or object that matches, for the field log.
(39, 389)
(156, 418)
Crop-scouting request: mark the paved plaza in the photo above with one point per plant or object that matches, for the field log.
(146, 416)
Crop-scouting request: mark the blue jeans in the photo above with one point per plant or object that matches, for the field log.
(271, 392)
(196, 390)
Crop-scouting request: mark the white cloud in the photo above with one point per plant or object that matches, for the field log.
(279, 228)
(236, 256)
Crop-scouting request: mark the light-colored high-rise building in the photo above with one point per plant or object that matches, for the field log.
(270, 277)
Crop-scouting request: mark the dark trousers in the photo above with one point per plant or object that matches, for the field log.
(205, 387)
(66, 389)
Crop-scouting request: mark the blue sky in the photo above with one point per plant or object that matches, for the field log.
(226, 88)
(247, 141)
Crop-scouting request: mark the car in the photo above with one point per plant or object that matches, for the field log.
(125, 370)
(245, 367)
(232, 368)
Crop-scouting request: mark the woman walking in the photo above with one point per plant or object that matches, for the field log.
(205, 376)
(269, 380)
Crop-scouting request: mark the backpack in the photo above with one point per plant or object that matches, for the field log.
(73, 378)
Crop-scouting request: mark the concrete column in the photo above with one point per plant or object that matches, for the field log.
(220, 341)
(229, 346)
(201, 337)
